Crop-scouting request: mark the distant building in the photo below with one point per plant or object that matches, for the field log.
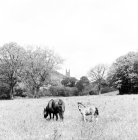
(67, 73)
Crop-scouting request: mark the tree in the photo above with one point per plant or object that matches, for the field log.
(69, 81)
(97, 74)
(11, 64)
(39, 65)
(72, 81)
(82, 84)
(122, 74)
(65, 81)
(84, 80)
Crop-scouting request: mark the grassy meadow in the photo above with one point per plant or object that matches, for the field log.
(22, 119)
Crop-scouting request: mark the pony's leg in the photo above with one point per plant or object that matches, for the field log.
(61, 115)
(56, 116)
(84, 118)
(50, 115)
(53, 115)
(92, 117)
(96, 118)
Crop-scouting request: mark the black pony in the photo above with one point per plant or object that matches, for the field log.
(55, 107)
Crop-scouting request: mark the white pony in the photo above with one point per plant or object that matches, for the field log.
(88, 110)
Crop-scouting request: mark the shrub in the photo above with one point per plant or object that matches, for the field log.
(4, 92)
(84, 93)
(107, 89)
(54, 90)
(74, 91)
(93, 92)
(71, 91)
(20, 92)
(4, 97)
(29, 95)
(44, 92)
(63, 91)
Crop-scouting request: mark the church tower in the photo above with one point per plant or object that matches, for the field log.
(68, 73)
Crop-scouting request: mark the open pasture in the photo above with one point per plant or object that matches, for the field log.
(22, 119)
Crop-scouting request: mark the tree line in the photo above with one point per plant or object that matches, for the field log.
(33, 68)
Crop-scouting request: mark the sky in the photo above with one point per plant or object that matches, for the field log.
(84, 32)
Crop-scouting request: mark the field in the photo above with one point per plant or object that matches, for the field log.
(22, 119)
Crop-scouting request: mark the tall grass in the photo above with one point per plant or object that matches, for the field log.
(23, 119)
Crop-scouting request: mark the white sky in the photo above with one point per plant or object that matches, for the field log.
(84, 32)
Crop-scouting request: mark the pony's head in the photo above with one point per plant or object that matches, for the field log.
(45, 113)
(81, 106)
